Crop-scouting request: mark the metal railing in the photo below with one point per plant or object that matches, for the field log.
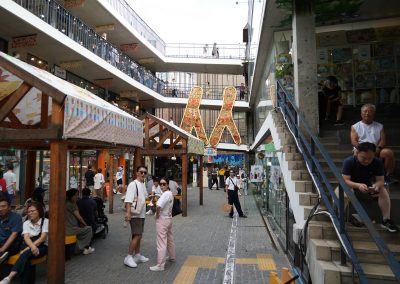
(186, 50)
(309, 144)
(58, 17)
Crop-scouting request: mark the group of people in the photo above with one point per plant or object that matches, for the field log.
(135, 196)
(8, 183)
(371, 168)
(214, 51)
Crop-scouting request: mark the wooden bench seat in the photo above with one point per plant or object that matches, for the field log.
(13, 259)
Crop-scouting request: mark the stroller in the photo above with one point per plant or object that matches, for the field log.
(101, 219)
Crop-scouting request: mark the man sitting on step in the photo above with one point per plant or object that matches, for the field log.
(364, 173)
(368, 130)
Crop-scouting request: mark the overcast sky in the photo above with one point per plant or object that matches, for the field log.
(194, 21)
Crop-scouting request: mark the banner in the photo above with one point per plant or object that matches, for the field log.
(256, 173)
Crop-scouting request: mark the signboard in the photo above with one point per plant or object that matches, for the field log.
(256, 173)
(210, 151)
(24, 41)
(59, 72)
(269, 148)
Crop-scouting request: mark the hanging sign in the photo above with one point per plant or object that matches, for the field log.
(128, 47)
(24, 41)
(209, 151)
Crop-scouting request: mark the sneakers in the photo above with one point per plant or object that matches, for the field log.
(339, 122)
(5, 281)
(129, 261)
(118, 192)
(150, 212)
(88, 250)
(140, 258)
(3, 257)
(156, 268)
(389, 225)
(99, 229)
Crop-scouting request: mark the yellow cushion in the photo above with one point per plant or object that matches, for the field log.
(70, 239)
(13, 259)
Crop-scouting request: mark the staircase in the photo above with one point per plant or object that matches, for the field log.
(323, 247)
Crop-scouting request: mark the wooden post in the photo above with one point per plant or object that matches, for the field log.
(201, 180)
(111, 181)
(30, 170)
(58, 170)
(185, 165)
(122, 162)
(137, 161)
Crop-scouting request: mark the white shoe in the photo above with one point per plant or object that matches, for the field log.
(5, 281)
(123, 197)
(128, 261)
(150, 212)
(156, 268)
(140, 258)
(88, 250)
(119, 192)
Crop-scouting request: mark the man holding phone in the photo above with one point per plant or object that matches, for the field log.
(364, 173)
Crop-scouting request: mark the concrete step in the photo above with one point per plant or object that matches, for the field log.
(324, 230)
(300, 175)
(303, 186)
(367, 252)
(293, 157)
(308, 199)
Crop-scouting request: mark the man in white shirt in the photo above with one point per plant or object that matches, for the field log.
(368, 130)
(98, 184)
(232, 189)
(136, 190)
(119, 176)
(11, 182)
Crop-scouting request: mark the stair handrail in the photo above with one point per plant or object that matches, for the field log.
(297, 123)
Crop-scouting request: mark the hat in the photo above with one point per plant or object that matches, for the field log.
(39, 190)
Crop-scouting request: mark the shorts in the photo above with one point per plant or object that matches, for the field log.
(137, 226)
(119, 181)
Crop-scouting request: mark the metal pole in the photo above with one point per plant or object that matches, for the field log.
(341, 222)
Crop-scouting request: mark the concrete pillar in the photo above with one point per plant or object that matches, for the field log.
(305, 61)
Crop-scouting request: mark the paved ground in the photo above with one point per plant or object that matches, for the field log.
(202, 240)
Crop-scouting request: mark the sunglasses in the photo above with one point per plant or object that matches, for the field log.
(163, 183)
(143, 172)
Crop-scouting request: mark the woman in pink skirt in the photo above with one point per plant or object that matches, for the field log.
(165, 241)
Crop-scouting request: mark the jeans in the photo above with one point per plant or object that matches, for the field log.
(23, 265)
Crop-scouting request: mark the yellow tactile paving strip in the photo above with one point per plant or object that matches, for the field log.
(188, 271)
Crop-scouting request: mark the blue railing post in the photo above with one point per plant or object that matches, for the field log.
(341, 223)
(313, 170)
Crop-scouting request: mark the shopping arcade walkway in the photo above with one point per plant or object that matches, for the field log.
(201, 239)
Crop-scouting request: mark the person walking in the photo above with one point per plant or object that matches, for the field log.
(214, 178)
(89, 178)
(232, 189)
(11, 183)
(99, 184)
(119, 177)
(165, 241)
(136, 190)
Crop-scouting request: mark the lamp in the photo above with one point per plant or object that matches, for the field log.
(126, 156)
(173, 158)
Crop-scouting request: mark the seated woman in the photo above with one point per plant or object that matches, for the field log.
(34, 233)
(155, 194)
(73, 220)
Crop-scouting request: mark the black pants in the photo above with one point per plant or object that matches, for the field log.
(233, 199)
(214, 180)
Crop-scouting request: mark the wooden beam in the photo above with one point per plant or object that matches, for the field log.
(56, 254)
(44, 111)
(177, 140)
(185, 165)
(201, 181)
(146, 132)
(162, 140)
(15, 122)
(162, 152)
(13, 99)
(32, 80)
(58, 179)
(30, 170)
(154, 123)
(52, 133)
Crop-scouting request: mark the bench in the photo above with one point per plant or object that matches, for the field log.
(70, 241)
(13, 259)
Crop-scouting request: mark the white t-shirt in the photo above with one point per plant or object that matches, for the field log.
(131, 195)
(165, 203)
(368, 132)
(156, 190)
(98, 180)
(34, 229)
(231, 182)
(119, 175)
(10, 178)
(173, 187)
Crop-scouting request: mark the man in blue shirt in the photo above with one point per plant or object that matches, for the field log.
(364, 173)
(10, 230)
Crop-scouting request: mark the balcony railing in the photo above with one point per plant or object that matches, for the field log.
(187, 50)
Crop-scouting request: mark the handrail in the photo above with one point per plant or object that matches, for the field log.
(297, 124)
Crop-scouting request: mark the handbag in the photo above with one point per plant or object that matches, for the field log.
(137, 204)
(227, 207)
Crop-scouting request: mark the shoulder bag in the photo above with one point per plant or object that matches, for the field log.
(137, 204)
(234, 185)
(34, 238)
